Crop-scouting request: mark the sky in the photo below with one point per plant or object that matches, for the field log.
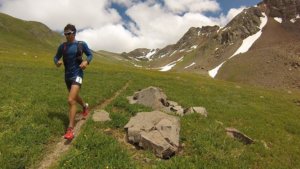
(124, 25)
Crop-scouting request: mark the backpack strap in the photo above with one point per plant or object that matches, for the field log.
(79, 48)
(64, 49)
(79, 51)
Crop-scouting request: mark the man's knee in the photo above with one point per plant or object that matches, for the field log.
(71, 101)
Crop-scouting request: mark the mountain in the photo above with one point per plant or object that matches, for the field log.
(274, 59)
(27, 35)
(260, 46)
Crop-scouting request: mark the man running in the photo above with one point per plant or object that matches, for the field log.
(72, 51)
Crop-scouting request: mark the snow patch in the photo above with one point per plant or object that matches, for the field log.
(190, 65)
(151, 53)
(137, 65)
(278, 19)
(148, 55)
(194, 47)
(170, 65)
(212, 73)
(162, 56)
(247, 43)
(224, 29)
(173, 52)
(293, 20)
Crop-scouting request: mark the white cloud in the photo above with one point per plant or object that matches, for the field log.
(154, 24)
(56, 13)
(192, 5)
(223, 20)
(161, 27)
(109, 37)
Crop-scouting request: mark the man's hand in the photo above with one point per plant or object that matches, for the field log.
(83, 64)
(59, 63)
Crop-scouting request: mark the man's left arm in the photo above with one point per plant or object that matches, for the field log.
(89, 56)
(87, 52)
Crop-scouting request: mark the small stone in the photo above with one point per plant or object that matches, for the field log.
(101, 116)
(234, 133)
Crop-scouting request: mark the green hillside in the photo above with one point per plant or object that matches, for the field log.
(29, 35)
(34, 112)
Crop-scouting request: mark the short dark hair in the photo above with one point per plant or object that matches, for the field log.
(70, 27)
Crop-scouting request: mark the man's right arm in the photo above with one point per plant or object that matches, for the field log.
(57, 57)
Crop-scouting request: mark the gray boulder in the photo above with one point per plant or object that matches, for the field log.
(155, 131)
(152, 97)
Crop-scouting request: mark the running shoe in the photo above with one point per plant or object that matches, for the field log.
(85, 111)
(69, 134)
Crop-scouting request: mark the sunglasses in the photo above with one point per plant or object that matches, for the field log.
(68, 33)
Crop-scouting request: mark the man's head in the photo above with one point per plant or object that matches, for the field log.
(70, 32)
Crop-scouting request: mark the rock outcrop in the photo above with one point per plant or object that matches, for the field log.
(285, 9)
(154, 97)
(243, 25)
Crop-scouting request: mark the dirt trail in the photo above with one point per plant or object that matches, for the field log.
(63, 145)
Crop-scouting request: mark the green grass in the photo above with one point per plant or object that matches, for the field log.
(266, 116)
(34, 116)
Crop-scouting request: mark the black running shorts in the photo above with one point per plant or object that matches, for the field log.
(73, 81)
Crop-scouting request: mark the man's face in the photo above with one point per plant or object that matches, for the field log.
(69, 34)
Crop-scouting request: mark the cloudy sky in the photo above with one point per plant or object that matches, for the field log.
(124, 25)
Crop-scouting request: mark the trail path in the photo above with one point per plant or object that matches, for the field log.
(63, 145)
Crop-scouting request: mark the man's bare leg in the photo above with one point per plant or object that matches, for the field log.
(72, 99)
(80, 101)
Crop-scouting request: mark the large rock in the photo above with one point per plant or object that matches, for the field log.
(156, 131)
(152, 97)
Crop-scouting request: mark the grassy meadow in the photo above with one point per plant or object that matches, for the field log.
(34, 116)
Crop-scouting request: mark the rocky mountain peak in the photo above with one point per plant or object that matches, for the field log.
(137, 53)
(242, 26)
(192, 36)
(285, 9)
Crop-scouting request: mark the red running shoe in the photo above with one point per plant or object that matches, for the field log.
(85, 111)
(69, 134)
